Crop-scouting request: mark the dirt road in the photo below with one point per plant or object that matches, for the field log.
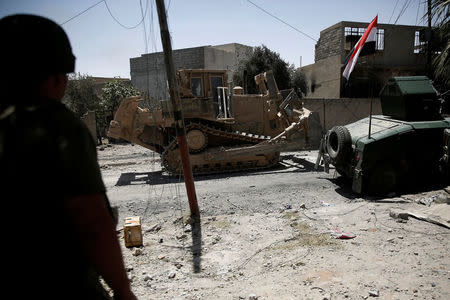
(267, 235)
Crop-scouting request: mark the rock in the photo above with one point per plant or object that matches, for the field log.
(374, 293)
(447, 189)
(172, 275)
(180, 237)
(326, 297)
(441, 198)
(147, 277)
(148, 283)
(252, 297)
(303, 206)
(161, 256)
(427, 201)
(137, 252)
(398, 214)
(178, 265)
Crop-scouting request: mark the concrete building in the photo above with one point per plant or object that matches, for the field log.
(398, 53)
(148, 72)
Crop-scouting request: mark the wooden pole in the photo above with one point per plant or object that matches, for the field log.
(177, 112)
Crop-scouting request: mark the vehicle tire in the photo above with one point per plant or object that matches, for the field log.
(339, 145)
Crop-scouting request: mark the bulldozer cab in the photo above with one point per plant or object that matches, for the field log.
(207, 86)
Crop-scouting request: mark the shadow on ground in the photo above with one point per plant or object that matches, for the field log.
(344, 188)
(196, 246)
(290, 164)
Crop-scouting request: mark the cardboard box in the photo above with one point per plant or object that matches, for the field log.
(132, 232)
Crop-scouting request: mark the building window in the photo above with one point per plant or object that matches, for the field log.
(196, 86)
(419, 43)
(380, 40)
(353, 34)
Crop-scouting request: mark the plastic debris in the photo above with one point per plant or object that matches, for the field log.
(326, 204)
(339, 234)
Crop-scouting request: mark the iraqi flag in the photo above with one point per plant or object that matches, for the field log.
(365, 46)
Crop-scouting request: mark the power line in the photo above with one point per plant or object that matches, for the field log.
(80, 13)
(124, 26)
(402, 11)
(285, 23)
(393, 12)
(110, 13)
(417, 15)
(143, 24)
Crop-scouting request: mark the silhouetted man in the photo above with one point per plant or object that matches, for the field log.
(59, 233)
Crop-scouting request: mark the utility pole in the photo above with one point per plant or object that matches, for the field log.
(177, 112)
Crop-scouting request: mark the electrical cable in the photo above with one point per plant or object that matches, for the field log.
(285, 23)
(80, 13)
(417, 15)
(393, 11)
(110, 13)
(402, 11)
(124, 26)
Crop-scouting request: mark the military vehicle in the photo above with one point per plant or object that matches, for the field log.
(225, 131)
(406, 145)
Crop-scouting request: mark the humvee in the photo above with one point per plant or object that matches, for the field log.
(400, 149)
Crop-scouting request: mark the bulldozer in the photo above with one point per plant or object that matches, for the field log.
(226, 129)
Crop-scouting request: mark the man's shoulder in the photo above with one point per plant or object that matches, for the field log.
(63, 118)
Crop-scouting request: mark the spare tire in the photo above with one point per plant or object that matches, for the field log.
(339, 145)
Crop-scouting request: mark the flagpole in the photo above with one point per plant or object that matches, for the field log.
(371, 97)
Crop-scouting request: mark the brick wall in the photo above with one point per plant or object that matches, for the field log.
(330, 43)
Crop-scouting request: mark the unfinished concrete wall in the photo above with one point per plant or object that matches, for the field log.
(324, 78)
(342, 111)
(148, 71)
(227, 57)
(398, 45)
(396, 57)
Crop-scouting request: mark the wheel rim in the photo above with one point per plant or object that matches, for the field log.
(196, 140)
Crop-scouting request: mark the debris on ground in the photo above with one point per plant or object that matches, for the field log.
(248, 246)
(339, 234)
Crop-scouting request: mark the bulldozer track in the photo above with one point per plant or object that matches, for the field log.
(172, 164)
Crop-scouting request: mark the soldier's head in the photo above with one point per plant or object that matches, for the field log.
(35, 57)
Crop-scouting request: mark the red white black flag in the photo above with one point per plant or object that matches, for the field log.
(365, 46)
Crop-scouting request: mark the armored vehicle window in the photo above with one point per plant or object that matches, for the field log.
(216, 81)
(196, 85)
